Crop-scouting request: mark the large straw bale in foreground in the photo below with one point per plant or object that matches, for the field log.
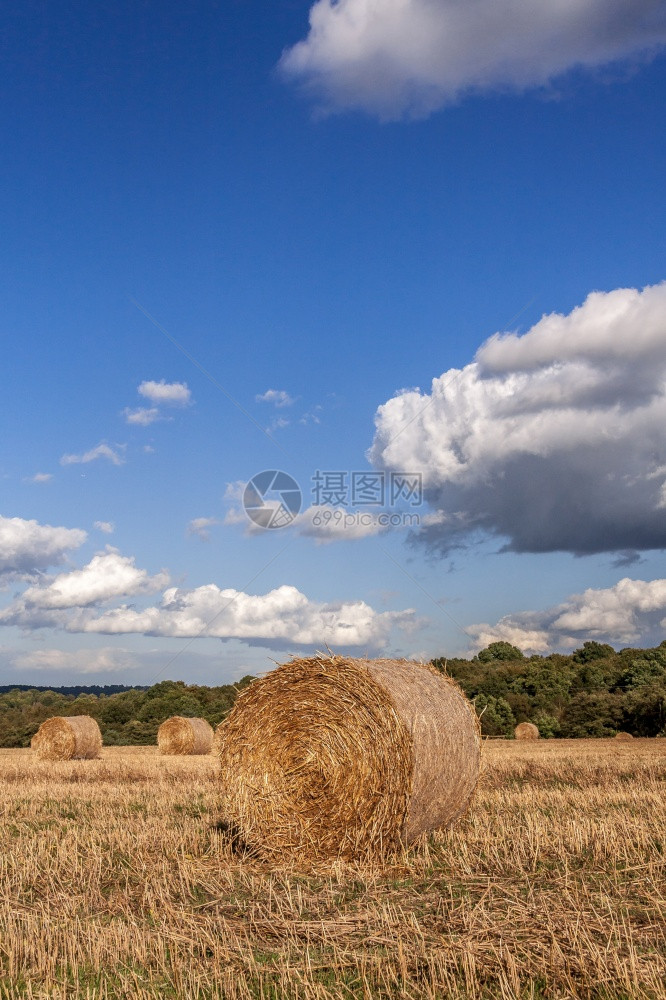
(73, 737)
(526, 731)
(333, 756)
(179, 735)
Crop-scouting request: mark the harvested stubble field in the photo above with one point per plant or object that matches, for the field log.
(115, 883)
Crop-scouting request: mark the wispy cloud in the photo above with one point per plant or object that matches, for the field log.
(278, 424)
(40, 477)
(105, 526)
(143, 416)
(200, 527)
(100, 451)
(278, 397)
(81, 661)
(312, 416)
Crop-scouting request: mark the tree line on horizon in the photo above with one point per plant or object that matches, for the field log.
(129, 717)
(593, 692)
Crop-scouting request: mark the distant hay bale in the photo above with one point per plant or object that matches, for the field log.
(179, 735)
(623, 737)
(72, 737)
(526, 731)
(339, 757)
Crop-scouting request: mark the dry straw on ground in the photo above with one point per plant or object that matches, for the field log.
(333, 756)
(179, 735)
(526, 731)
(73, 737)
(624, 737)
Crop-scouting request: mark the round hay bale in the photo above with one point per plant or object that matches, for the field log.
(179, 735)
(339, 757)
(623, 737)
(526, 731)
(72, 737)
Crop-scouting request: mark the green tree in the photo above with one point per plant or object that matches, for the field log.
(547, 725)
(645, 670)
(592, 651)
(592, 714)
(496, 716)
(500, 651)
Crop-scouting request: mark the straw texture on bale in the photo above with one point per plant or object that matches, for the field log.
(333, 756)
(624, 737)
(526, 731)
(73, 737)
(179, 735)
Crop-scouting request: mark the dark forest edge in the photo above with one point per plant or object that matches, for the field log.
(593, 692)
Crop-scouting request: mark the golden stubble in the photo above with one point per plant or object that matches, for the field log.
(115, 883)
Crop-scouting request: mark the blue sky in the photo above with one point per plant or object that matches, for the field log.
(340, 203)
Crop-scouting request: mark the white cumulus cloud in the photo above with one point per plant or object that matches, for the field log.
(166, 393)
(28, 547)
(108, 575)
(280, 618)
(550, 441)
(405, 58)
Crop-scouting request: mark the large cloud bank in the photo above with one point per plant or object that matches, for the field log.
(282, 618)
(555, 440)
(400, 58)
(94, 599)
(628, 611)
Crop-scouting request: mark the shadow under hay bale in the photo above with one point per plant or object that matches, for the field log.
(624, 737)
(339, 757)
(232, 836)
(179, 735)
(526, 731)
(73, 737)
